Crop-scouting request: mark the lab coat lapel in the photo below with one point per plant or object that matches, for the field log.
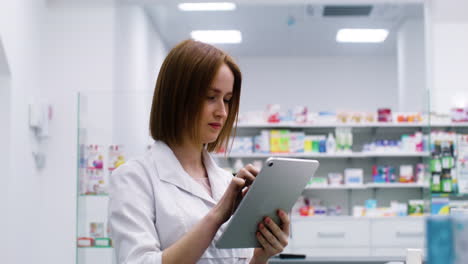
(216, 175)
(170, 170)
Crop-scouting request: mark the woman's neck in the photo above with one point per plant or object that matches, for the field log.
(191, 159)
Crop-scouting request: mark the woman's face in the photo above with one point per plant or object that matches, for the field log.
(216, 105)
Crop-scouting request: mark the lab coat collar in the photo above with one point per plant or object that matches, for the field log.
(170, 170)
(216, 175)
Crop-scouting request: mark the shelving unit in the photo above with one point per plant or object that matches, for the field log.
(354, 236)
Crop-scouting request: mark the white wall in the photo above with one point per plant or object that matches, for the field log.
(321, 83)
(448, 53)
(139, 55)
(79, 43)
(22, 49)
(53, 51)
(412, 90)
(5, 95)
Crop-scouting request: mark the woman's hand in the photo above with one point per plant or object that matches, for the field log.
(234, 193)
(272, 237)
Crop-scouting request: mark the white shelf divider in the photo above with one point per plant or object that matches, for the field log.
(369, 186)
(363, 125)
(325, 155)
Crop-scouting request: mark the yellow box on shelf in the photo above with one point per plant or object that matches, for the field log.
(279, 141)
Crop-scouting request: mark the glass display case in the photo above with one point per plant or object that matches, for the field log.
(112, 126)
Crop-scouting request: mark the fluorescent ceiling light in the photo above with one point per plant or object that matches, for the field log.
(361, 35)
(217, 36)
(225, 6)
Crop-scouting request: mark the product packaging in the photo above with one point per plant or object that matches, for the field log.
(406, 173)
(335, 179)
(95, 157)
(275, 138)
(421, 173)
(407, 117)
(308, 144)
(384, 115)
(262, 142)
(116, 156)
(331, 144)
(296, 143)
(284, 141)
(459, 114)
(300, 114)
(273, 113)
(358, 211)
(440, 206)
(318, 182)
(462, 163)
(95, 183)
(102, 242)
(440, 249)
(354, 176)
(415, 207)
(96, 229)
(85, 242)
(242, 145)
(460, 239)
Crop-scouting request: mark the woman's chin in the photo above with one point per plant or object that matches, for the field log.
(208, 141)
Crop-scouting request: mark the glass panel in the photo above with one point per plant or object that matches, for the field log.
(112, 127)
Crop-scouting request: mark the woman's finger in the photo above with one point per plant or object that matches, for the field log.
(277, 231)
(252, 169)
(245, 190)
(246, 175)
(272, 240)
(266, 246)
(285, 222)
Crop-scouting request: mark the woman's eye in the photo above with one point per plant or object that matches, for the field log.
(227, 101)
(210, 97)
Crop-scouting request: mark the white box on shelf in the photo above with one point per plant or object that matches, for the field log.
(354, 176)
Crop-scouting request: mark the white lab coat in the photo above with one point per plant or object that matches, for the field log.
(154, 202)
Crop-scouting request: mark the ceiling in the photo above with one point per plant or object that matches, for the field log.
(285, 30)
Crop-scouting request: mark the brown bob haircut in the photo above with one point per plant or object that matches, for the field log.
(181, 88)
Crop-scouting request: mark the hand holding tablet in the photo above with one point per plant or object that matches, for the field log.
(277, 186)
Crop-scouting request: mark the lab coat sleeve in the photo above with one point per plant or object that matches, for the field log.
(132, 216)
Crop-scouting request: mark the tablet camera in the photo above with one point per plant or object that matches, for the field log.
(270, 164)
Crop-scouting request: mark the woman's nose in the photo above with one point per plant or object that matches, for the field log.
(222, 109)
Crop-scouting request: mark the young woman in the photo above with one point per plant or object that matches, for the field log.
(171, 205)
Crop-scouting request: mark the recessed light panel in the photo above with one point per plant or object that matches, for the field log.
(361, 35)
(217, 36)
(224, 6)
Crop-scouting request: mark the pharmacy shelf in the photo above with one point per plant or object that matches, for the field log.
(462, 124)
(370, 186)
(354, 218)
(450, 195)
(397, 185)
(344, 187)
(340, 260)
(357, 125)
(325, 155)
(94, 247)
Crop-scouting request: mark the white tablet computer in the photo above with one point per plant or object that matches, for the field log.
(278, 186)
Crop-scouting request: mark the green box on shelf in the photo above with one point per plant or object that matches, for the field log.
(102, 242)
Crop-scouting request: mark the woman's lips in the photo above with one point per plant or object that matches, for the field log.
(215, 125)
